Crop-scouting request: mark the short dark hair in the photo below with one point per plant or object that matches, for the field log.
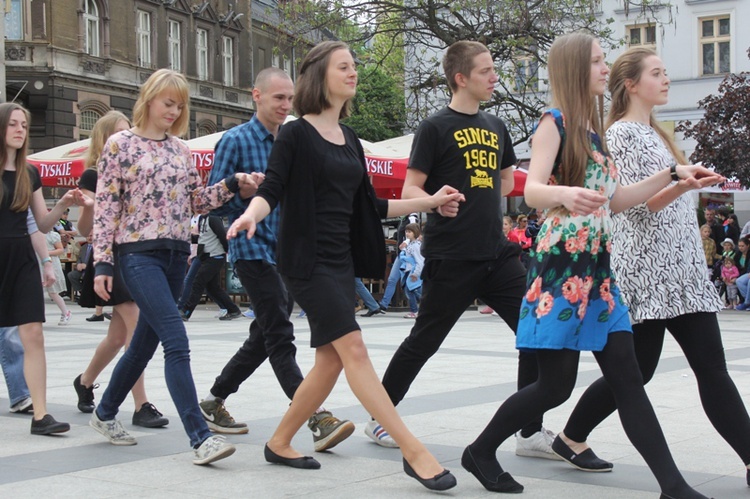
(459, 58)
(311, 93)
(414, 229)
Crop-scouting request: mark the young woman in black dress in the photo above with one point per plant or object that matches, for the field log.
(329, 234)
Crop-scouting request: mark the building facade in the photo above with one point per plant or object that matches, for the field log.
(70, 61)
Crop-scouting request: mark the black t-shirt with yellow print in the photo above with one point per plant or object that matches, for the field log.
(465, 151)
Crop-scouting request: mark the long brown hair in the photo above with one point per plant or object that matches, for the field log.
(311, 91)
(23, 192)
(103, 129)
(629, 68)
(569, 67)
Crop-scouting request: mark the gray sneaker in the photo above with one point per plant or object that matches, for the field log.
(113, 430)
(537, 445)
(213, 449)
(328, 431)
(219, 420)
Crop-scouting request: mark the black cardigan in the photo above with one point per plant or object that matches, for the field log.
(292, 165)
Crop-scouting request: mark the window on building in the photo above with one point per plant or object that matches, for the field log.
(261, 59)
(174, 40)
(14, 20)
(275, 62)
(715, 45)
(643, 35)
(527, 74)
(227, 55)
(201, 43)
(205, 127)
(91, 27)
(144, 38)
(287, 65)
(89, 118)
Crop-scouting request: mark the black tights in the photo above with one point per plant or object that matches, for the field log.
(557, 377)
(700, 339)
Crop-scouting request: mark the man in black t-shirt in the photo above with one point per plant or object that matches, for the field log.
(466, 256)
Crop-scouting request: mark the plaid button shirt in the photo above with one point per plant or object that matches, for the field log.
(245, 148)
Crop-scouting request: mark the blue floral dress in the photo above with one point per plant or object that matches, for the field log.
(572, 300)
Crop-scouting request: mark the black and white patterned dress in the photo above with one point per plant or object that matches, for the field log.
(657, 257)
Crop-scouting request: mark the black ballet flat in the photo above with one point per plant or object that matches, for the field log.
(304, 463)
(502, 483)
(585, 461)
(442, 481)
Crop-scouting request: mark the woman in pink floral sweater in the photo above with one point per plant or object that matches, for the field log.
(146, 194)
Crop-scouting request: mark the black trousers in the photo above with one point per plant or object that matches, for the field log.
(700, 339)
(207, 278)
(271, 333)
(450, 286)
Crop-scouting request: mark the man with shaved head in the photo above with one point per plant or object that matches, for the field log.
(245, 148)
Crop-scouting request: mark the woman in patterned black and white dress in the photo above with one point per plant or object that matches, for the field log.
(664, 290)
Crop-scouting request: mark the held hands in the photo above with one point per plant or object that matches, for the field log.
(581, 201)
(697, 177)
(413, 278)
(245, 222)
(446, 201)
(249, 183)
(103, 286)
(76, 197)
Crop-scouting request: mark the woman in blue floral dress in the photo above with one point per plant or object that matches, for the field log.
(573, 303)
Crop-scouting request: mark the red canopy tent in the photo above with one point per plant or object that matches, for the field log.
(386, 163)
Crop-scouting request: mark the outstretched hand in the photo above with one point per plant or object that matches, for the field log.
(244, 222)
(582, 201)
(447, 200)
(697, 177)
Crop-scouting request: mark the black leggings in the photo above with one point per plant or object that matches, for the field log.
(557, 377)
(700, 339)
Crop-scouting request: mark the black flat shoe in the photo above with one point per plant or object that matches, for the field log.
(504, 482)
(585, 461)
(47, 426)
(304, 463)
(442, 481)
(370, 313)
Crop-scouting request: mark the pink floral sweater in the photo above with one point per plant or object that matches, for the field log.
(146, 193)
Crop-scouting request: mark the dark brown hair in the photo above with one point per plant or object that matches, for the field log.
(415, 229)
(311, 92)
(23, 192)
(459, 58)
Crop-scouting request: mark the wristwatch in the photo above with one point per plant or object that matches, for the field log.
(673, 172)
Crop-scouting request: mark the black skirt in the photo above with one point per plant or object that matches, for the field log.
(21, 293)
(328, 301)
(89, 298)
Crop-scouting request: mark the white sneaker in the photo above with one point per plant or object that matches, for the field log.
(212, 449)
(378, 434)
(113, 430)
(64, 319)
(25, 406)
(537, 445)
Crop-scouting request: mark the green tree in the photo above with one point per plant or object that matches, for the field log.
(517, 32)
(378, 108)
(723, 134)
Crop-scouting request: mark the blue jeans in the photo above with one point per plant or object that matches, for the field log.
(414, 297)
(11, 359)
(393, 280)
(364, 293)
(743, 284)
(154, 279)
(187, 286)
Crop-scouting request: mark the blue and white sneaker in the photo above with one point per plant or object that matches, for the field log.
(250, 314)
(378, 434)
